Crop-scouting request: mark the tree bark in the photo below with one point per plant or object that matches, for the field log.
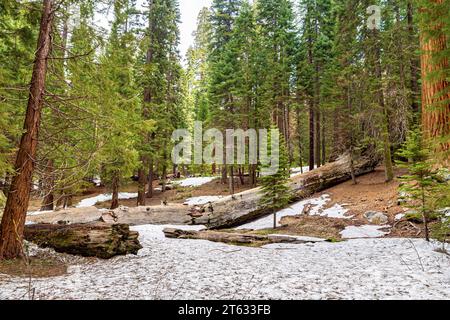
(389, 169)
(235, 238)
(435, 92)
(150, 179)
(414, 64)
(115, 191)
(13, 222)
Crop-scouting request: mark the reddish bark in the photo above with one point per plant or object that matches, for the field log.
(13, 222)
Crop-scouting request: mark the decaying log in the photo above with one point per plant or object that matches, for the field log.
(227, 212)
(236, 238)
(88, 240)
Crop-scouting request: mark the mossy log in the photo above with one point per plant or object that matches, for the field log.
(99, 240)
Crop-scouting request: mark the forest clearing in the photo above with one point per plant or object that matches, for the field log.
(224, 150)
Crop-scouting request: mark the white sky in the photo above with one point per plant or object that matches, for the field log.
(189, 11)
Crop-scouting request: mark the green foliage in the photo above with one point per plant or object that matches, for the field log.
(275, 191)
(427, 191)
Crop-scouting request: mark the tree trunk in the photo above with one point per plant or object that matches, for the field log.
(48, 204)
(141, 199)
(231, 180)
(99, 240)
(227, 212)
(435, 92)
(384, 110)
(115, 191)
(414, 64)
(235, 238)
(13, 222)
(311, 135)
(150, 179)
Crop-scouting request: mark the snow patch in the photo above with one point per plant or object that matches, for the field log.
(317, 208)
(194, 182)
(36, 213)
(367, 231)
(90, 202)
(399, 216)
(298, 171)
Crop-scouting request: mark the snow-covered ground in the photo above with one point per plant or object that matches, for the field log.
(89, 202)
(318, 208)
(194, 182)
(196, 269)
(367, 231)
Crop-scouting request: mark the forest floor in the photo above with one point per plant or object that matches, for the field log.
(359, 261)
(197, 269)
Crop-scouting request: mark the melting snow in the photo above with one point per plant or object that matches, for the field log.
(298, 171)
(89, 202)
(196, 269)
(194, 182)
(367, 231)
(317, 208)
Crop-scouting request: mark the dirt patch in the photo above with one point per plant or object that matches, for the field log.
(41, 266)
(314, 226)
(307, 226)
(371, 193)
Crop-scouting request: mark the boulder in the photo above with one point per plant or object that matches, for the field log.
(376, 217)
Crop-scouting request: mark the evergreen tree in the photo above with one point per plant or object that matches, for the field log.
(275, 191)
(426, 191)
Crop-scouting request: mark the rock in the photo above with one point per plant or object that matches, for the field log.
(376, 217)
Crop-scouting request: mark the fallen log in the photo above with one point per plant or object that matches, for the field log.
(228, 212)
(246, 239)
(88, 240)
(244, 207)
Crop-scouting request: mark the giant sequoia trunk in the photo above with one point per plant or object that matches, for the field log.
(13, 222)
(435, 88)
(89, 240)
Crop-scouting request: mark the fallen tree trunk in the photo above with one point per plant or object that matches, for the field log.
(245, 208)
(228, 212)
(88, 240)
(236, 238)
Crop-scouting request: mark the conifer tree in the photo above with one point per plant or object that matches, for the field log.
(275, 191)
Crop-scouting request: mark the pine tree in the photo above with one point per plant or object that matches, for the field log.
(426, 191)
(275, 191)
(13, 220)
(119, 157)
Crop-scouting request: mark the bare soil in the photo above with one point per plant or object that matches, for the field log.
(41, 266)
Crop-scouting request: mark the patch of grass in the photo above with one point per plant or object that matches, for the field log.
(418, 218)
